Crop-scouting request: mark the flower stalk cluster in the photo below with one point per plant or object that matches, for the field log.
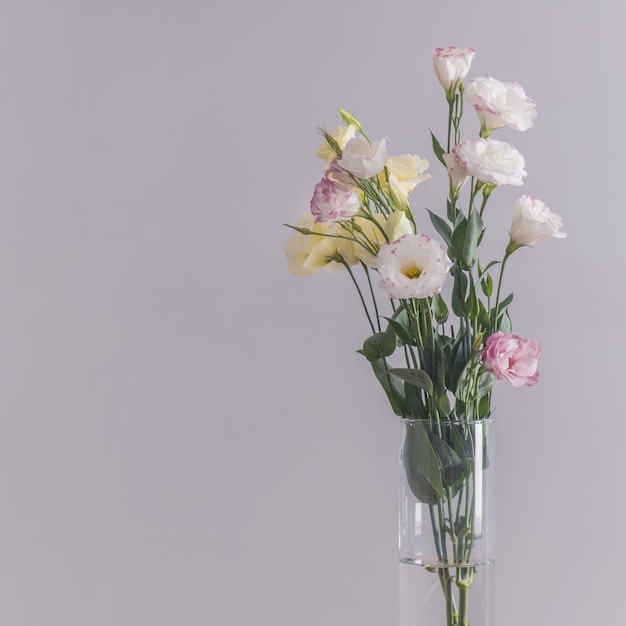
(436, 352)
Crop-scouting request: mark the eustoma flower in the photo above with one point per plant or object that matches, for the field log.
(512, 358)
(500, 104)
(408, 171)
(333, 201)
(341, 134)
(451, 66)
(414, 266)
(456, 171)
(532, 222)
(363, 160)
(491, 161)
(308, 253)
(397, 226)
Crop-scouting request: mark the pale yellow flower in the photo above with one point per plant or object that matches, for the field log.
(408, 171)
(372, 237)
(341, 134)
(307, 254)
(398, 225)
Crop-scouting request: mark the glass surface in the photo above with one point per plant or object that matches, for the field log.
(446, 523)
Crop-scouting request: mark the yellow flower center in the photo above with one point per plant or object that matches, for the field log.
(412, 272)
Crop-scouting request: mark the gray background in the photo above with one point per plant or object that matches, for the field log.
(188, 436)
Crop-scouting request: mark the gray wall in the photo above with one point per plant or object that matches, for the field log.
(187, 435)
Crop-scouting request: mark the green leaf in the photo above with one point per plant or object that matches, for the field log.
(465, 237)
(486, 381)
(505, 324)
(458, 239)
(379, 345)
(487, 285)
(414, 402)
(400, 325)
(472, 235)
(434, 364)
(443, 404)
(463, 446)
(461, 355)
(503, 321)
(504, 305)
(459, 409)
(441, 226)
(440, 309)
(484, 407)
(421, 465)
(393, 389)
(459, 289)
(415, 377)
(450, 210)
(452, 468)
(483, 316)
(484, 270)
(438, 150)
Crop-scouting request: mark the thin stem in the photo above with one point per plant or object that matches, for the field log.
(506, 258)
(356, 284)
(369, 282)
(450, 116)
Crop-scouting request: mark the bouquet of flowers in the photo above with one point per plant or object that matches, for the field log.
(449, 347)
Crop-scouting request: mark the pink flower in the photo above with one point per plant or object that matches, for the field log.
(333, 201)
(512, 358)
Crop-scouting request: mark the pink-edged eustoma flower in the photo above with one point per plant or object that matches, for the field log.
(491, 161)
(337, 174)
(362, 159)
(451, 66)
(414, 266)
(500, 104)
(512, 358)
(333, 201)
(456, 171)
(533, 222)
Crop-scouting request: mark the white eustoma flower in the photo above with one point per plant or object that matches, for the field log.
(500, 104)
(414, 266)
(363, 160)
(342, 134)
(451, 66)
(456, 171)
(408, 171)
(532, 222)
(491, 161)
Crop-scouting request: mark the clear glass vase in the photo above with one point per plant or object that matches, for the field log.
(446, 523)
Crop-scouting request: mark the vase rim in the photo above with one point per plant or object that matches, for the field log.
(421, 420)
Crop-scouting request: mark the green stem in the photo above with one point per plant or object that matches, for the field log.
(356, 284)
(450, 116)
(506, 258)
(369, 282)
(463, 600)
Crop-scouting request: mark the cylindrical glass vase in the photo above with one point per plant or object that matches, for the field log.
(446, 523)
